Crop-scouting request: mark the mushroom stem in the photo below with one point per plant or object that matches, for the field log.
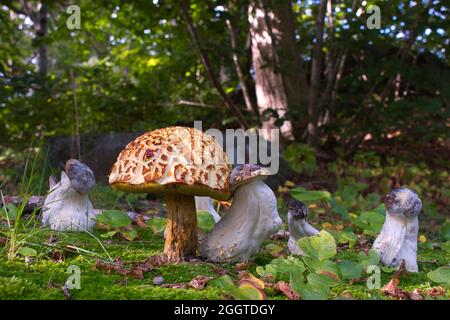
(397, 241)
(252, 217)
(181, 239)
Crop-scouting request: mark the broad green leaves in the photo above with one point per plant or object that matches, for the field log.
(310, 196)
(350, 269)
(114, 218)
(281, 268)
(9, 212)
(370, 221)
(321, 246)
(27, 252)
(245, 291)
(205, 221)
(440, 275)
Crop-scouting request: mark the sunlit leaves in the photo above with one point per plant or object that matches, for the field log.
(440, 275)
(321, 246)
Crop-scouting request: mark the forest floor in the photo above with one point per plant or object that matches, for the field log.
(344, 197)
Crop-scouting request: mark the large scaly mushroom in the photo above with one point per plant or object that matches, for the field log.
(253, 217)
(298, 225)
(67, 206)
(397, 240)
(179, 163)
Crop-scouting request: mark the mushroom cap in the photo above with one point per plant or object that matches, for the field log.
(246, 173)
(298, 209)
(403, 201)
(80, 175)
(173, 160)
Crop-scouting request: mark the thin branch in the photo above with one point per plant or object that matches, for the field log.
(251, 105)
(209, 70)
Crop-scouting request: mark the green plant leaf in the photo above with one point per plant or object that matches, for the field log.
(281, 268)
(372, 258)
(321, 246)
(445, 232)
(440, 275)
(310, 196)
(336, 207)
(27, 252)
(348, 237)
(108, 235)
(205, 221)
(315, 288)
(350, 269)
(9, 212)
(114, 218)
(445, 246)
(370, 221)
(130, 235)
(157, 224)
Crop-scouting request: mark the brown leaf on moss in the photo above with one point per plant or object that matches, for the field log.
(140, 221)
(199, 282)
(243, 266)
(287, 290)
(220, 271)
(245, 276)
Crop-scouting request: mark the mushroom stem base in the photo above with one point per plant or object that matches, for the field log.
(181, 239)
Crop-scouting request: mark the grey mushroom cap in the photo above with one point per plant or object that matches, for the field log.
(81, 177)
(297, 209)
(403, 201)
(246, 173)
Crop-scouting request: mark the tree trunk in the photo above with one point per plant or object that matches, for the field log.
(316, 70)
(42, 33)
(279, 79)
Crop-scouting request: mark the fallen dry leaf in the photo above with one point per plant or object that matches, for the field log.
(245, 276)
(287, 290)
(140, 221)
(220, 271)
(199, 282)
(242, 266)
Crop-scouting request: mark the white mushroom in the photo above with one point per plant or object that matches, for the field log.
(67, 206)
(298, 226)
(397, 240)
(252, 218)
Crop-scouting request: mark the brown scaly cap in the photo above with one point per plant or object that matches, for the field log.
(245, 173)
(173, 160)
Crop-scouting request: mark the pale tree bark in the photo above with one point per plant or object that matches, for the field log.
(316, 70)
(280, 80)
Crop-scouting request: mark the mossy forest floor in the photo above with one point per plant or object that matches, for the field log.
(351, 206)
(43, 277)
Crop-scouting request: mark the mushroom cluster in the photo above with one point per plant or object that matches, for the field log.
(397, 240)
(179, 163)
(67, 206)
(189, 167)
(252, 217)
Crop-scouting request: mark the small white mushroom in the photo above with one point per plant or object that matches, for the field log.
(298, 225)
(67, 206)
(252, 218)
(397, 240)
